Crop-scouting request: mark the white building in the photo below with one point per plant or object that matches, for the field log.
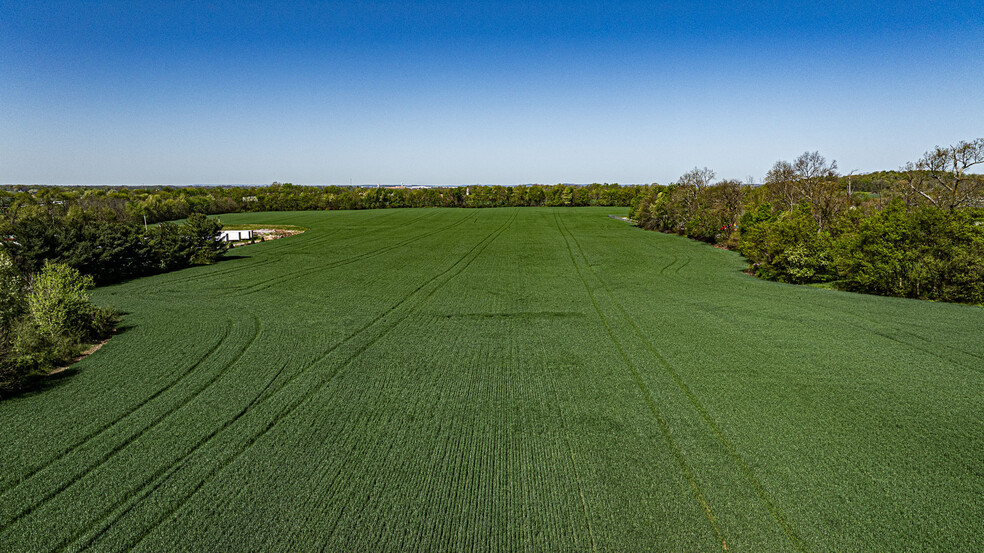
(235, 235)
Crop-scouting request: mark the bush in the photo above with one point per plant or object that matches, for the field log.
(929, 253)
(786, 247)
(59, 300)
(49, 325)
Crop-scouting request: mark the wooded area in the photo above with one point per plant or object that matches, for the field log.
(916, 233)
(166, 203)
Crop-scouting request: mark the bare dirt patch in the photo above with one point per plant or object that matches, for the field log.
(92, 349)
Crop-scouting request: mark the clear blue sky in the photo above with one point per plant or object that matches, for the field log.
(483, 92)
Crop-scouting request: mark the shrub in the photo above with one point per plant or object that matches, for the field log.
(786, 247)
(59, 300)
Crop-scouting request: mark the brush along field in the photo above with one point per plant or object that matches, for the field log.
(501, 380)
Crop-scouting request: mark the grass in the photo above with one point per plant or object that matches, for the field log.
(502, 379)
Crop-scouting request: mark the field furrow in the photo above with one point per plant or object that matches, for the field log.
(500, 380)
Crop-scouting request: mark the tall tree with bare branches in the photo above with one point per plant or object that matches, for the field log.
(941, 176)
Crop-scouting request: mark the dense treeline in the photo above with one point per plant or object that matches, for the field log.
(133, 205)
(110, 251)
(916, 233)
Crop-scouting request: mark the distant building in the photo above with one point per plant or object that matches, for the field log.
(235, 235)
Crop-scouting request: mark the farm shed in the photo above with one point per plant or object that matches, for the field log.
(235, 235)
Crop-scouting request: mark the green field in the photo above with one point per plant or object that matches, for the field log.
(501, 380)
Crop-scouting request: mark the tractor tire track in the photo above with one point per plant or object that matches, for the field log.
(314, 241)
(118, 448)
(872, 326)
(268, 392)
(488, 240)
(737, 458)
(910, 345)
(663, 269)
(109, 425)
(121, 508)
(265, 284)
(664, 427)
(683, 265)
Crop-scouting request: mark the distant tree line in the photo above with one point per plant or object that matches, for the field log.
(915, 233)
(154, 204)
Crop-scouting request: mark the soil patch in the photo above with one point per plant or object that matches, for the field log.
(92, 349)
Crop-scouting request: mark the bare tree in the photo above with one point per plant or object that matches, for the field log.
(850, 177)
(812, 172)
(732, 200)
(780, 184)
(817, 182)
(809, 177)
(940, 176)
(695, 182)
(698, 178)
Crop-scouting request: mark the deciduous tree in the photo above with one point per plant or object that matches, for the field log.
(941, 176)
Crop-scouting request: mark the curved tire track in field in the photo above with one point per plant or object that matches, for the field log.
(269, 391)
(871, 328)
(664, 427)
(118, 448)
(678, 269)
(321, 237)
(265, 284)
(379, 214)
(317, 239)
(174, 280)
(663, 269)
(95, 433)
(312, 242)
(128, 503)
(740, 462)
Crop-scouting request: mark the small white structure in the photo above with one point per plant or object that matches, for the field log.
(235, 235)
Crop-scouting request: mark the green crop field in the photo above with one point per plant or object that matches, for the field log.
(501, 380)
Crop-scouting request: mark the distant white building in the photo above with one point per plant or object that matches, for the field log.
(235, 235)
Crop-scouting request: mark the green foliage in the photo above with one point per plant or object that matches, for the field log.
(111, 251)
(204, 233)
(788, 247)
(170, 248)
(704, 212)
(911, 234)
(11, 293)
(927, 253)
(59, 300)
(158, 204)
(45, 323)
(876, 258)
